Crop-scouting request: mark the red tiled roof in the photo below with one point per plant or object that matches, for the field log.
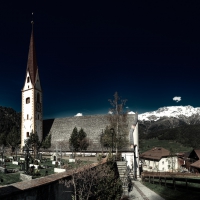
(155, 154)
(196, 164)
(32, 62)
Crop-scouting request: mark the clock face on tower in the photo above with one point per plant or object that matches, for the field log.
(38, 107)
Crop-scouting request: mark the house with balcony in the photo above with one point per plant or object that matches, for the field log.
(159, 159)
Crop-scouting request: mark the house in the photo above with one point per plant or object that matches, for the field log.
(159, 159)
(194, 157)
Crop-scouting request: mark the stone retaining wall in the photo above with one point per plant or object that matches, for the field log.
(39, 189)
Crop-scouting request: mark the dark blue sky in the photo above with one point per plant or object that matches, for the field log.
(148, 52)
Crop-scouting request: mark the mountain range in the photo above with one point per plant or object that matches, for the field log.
(163, 118)
(168, 117)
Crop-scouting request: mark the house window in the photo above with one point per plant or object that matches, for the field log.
(38, 97)
(168, 166)
(27, 117)
(163, 162)
(27, 134)
(28, 79)
(27, 100)
(163, 168)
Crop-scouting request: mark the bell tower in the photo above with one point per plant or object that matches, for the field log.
(32, 120)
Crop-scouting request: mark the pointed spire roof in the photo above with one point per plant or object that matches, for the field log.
(32, 61)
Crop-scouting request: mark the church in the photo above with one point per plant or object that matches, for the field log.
(60, 128)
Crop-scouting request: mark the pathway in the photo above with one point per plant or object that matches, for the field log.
(141, 192)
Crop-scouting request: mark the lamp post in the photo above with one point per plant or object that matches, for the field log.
(112, 131)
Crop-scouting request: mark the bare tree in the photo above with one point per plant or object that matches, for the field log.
(118, 121)
(92, 180)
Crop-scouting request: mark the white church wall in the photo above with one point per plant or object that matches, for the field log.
(27, 114)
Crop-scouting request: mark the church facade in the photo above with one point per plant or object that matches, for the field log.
(32, 118)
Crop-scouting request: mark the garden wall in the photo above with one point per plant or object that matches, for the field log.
(47, 188)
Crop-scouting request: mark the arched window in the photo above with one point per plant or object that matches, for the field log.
(27, 117)
(27, 100)
(38, 97)
(28, 79)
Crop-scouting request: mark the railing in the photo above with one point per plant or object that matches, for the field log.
(167, 174)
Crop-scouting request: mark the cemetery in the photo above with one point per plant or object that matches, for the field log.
(23, 166)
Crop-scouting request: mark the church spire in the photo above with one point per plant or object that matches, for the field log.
(32, 62)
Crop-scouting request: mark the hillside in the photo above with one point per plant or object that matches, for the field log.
(9, 120)
(187, 135)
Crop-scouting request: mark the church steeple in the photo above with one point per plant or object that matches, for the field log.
(32, 107)
(32, 61)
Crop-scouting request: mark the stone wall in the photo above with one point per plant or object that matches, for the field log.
(93, 125)
(48, 187)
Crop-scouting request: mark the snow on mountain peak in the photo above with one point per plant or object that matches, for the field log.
(169, 111)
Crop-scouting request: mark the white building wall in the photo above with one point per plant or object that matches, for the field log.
(164, 165)
(136, 142)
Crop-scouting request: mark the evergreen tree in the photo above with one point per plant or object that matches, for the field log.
(78, 140)
(3, 139)
(13, 139)
(73, 140)
(34, 143)
(108, 140)
(82, 140)
(47, 142)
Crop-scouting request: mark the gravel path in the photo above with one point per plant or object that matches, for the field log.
(141, 192)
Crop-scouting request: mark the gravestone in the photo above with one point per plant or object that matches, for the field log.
(53, 157)
(72, 158)
(56, 160)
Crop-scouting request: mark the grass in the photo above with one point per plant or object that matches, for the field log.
(168, 193)
(9, 178)
(146, 145)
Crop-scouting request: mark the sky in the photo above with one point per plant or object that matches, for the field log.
(149, 52)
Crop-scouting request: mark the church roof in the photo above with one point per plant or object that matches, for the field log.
(32, 62)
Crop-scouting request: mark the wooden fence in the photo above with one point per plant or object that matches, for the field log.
(163, 177)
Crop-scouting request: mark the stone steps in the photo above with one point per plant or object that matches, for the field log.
(122, 169)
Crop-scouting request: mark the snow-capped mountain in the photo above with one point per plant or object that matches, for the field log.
(168, 117)
(171, 112)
